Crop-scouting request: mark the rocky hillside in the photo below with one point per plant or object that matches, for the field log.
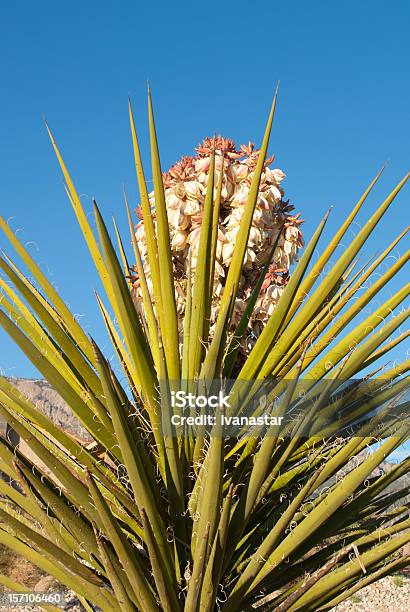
(51, 404)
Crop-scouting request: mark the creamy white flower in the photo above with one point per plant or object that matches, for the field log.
(173, 201)
(263, 202)
(191, 207)
(194, 237)
(239, 172)
(254, 236)
(194, 190)
(240, 197)
(179, 241)
(227, 251)
(178, 220)
(278, 175)
(203, 178)
(250, 258)
(287, 247)
(275, 193)
(180, 190)
(202, 165)
(292, 233)
(227, 190)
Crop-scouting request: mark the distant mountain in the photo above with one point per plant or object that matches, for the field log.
(51, 404)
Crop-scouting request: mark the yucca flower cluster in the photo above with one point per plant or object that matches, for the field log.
(185, 190)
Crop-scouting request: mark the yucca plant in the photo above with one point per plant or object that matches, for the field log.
(160, 514)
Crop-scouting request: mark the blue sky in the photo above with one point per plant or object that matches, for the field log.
(213, 67)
